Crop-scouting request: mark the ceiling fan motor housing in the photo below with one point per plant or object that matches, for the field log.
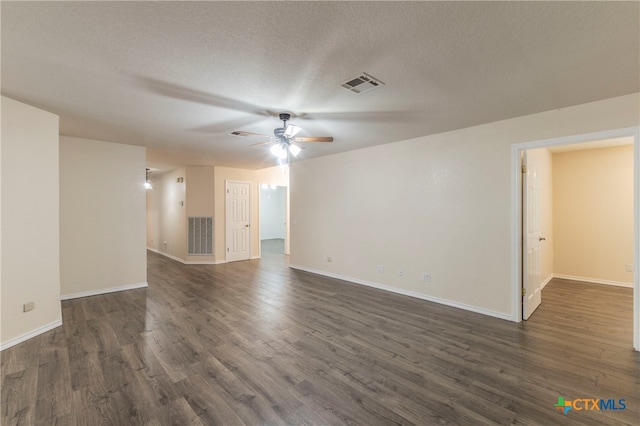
(279, 133)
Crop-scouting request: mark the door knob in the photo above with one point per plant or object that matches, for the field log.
(246, 226)
(542, 239)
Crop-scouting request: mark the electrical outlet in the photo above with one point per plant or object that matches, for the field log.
(401, 272)
(380, 268)
(426, 277)
(29, 306)
(329, 259)
(629, 267)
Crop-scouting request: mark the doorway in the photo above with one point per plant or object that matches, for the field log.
(273, 219)
(519, 262)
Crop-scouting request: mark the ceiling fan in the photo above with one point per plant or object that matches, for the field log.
(284, 140)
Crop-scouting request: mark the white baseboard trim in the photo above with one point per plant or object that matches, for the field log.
(593, 280)
(30, 335)
(186, 262)
(446, 302)
(547, 281)
(102, 291)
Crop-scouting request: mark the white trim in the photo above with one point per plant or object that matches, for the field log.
(102, 291)
(407, 293)
(547, 281)
(30, 335)
(170, 256)
(636, 239)
(187, 262)
(593, 280)
(516, 226)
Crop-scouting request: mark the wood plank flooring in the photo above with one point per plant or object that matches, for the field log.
(257, 343)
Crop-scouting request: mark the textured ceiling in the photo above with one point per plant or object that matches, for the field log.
(179, 76)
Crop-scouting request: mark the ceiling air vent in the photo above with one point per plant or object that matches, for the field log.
(362, 83)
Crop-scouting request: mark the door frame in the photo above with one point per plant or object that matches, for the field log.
(516, 214)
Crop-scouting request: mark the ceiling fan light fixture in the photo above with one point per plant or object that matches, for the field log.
(291, 131)
(294, 150)
(279, 150)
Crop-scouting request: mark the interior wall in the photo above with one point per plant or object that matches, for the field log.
(102, 217)
(30, 269)
(439, 204)
(544, 159)
(593, 214)
(272, 212)
(200, 200)
(166, 211)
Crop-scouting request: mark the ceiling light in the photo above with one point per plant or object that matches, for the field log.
(294, 149)
(291, 131)
(147, 184)
(279, 151)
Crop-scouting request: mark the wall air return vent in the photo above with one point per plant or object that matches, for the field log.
(362, 83)
(200, 236)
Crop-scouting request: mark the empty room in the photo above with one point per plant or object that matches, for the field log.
(319, 213)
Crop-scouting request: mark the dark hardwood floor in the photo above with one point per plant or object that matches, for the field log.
(257, 343)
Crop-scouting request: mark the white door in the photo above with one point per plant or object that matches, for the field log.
(238, 220)
(531, 258)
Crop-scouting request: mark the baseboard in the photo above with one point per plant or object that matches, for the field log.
(102, 291)
(593, 280)
(446, 302)
(30, 335)
(186, 262)
(547, 281)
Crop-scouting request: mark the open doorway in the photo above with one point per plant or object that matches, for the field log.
(273, 219)
(520, 261)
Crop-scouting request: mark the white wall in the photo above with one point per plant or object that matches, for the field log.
(593, 214)
(200, 200)
(440, 204)
(167, 215)
(102, 217)
(30, 233)
(272, 212)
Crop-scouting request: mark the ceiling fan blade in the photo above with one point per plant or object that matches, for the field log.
(314, 139)
(262, 143)
(244, 134)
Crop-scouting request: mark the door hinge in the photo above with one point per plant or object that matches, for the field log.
(227, 248)
(227, 191)
(524, 291)
(524, 168)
